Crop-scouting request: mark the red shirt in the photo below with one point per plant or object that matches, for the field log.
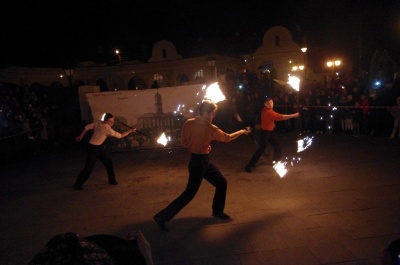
(268, 118)
(365, 106)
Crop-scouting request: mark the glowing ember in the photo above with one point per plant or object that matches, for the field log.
(304, 143)
(214, 93)
(280, 168)
(295, 160)
(294, 82)
(162, 139)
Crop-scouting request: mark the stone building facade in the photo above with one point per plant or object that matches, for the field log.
(166, 68)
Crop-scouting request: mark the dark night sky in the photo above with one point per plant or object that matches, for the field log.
(58, 33)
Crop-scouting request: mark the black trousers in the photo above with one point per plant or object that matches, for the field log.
(265, 138)
(199, 168)
(94, 152)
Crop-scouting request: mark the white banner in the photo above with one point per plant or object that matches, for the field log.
(132, 104)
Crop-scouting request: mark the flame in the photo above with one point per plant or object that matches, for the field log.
(294, 82)
(214, 93)
(162, 139)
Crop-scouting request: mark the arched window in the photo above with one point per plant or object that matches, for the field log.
(277, 41)
(181, 78)
(132, 84)
(159, 78)
(103, 85)
(199, 75)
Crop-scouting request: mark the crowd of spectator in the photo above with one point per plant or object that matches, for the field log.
(354, 107)
(40, 118)
(35, 118)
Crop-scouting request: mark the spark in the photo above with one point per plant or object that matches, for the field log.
(304, 143)
(162, 139)
(295, 160)
(212, 92)
(280, 168)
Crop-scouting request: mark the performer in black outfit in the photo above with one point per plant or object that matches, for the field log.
(197, 134)
(101, 130)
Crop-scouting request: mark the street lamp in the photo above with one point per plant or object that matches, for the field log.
(332, 64)
(298, 68)
(304, 50)
(119, 56)
(211, 62)
(69, 72)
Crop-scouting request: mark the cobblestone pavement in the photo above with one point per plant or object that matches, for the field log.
(339, 204)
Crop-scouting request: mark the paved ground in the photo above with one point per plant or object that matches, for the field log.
(339, 205)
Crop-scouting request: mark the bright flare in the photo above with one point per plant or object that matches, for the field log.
(304, 143)
(102, 117)
(294, 82)
(280, 168)
(162, 139)
(214, 93)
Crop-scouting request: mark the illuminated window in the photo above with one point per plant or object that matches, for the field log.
(267, 66)
(199, 75)
(159, 78)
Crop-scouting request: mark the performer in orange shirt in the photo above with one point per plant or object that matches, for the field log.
(197, 134)
(267, 134)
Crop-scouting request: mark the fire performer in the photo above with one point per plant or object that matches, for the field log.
(267, 133)
(101, 130)
(197, 134)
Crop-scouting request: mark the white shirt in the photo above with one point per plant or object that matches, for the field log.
(100, 132)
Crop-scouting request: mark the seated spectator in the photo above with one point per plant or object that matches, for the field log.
(357, 118)
(395, 112)
(71, 249)
(391, 254)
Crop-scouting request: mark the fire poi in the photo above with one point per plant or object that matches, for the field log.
(211, 92)
(281, 168)
(162, 139)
